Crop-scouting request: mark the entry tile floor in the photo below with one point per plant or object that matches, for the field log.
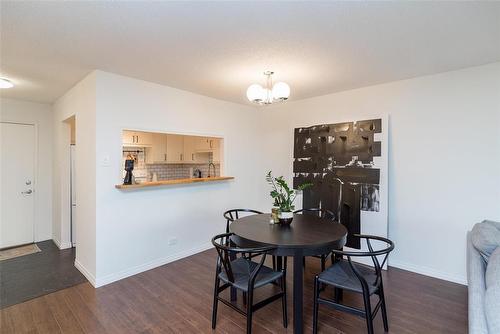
(30, 276)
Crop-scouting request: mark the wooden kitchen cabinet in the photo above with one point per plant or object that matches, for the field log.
(175, 149)
(202, 144)
(190, 154)
(157, 153)
(128, 138)
(137, 138)
(206, 144)
(216, 150)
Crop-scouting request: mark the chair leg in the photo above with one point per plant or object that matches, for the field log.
(216, 302)
(283, 299)
(368, 311)
(274, 262)
(249, 310)
(383, 308)
(315, 307)
(338, 295)
(323, 267)
(244, 298)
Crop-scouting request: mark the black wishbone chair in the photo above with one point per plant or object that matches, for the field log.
(232, 215)
(246, 275)
(325, 214)
(346, 275)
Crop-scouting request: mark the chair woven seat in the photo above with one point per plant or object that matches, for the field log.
(242, 268)
(341, 275)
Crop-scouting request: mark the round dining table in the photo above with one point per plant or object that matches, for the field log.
(307, 235)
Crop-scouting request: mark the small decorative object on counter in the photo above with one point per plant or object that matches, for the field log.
(197, 173)
(284, 196)
(274, 214)
(129, 167)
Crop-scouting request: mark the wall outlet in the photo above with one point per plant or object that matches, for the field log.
(172, 241)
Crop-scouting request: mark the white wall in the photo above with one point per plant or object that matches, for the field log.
(444, 158)
(133, 227)
(41, 116)
(79, 101)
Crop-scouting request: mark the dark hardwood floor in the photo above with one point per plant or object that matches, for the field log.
(177, 298)
(29, 276)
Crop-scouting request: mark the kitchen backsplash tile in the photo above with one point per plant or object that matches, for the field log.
(144, 172)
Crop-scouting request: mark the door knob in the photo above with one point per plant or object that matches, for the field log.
(27, 192)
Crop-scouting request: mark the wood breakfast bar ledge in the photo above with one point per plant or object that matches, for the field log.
(172, 182)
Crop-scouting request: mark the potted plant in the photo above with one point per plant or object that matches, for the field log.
(284, 196)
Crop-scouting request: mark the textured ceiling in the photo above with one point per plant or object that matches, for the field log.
(218, 49)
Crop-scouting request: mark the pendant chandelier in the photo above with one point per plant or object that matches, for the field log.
(279, 92)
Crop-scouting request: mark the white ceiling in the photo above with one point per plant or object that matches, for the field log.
(219, 48)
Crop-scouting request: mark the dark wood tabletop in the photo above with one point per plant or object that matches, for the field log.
(310, 233)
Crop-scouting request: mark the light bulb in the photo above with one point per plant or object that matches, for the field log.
(255, 93)
(281, 91)
(4, 83)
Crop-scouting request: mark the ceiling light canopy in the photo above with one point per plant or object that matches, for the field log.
(269, 94)
(4, 83)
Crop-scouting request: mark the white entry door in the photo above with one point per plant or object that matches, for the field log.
(17, 167)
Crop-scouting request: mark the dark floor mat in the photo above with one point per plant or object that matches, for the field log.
(38, 274)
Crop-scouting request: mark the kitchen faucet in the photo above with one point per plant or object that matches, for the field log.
(211, 164)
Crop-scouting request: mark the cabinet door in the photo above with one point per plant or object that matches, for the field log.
(137, 138)
(215, 144)
(128, 138)
(158, 151)
(144, 138)
(175, 148)
(202, 144)
(190, 155)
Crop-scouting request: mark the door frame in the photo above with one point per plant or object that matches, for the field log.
(35, 173)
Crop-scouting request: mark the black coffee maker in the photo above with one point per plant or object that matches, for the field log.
(129, 167)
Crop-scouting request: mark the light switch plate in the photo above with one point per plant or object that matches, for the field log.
(106, 161)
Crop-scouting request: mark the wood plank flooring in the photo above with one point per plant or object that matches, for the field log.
(177, 298)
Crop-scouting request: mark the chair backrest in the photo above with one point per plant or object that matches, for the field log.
(228, 250)
(232, 215)
(322, 213)
(371, 253)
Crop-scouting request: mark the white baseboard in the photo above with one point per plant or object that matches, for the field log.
(100, 281)
(63, 245)
(86, 273)
(428, 272)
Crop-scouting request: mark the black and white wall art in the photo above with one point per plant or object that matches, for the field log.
(347, 164)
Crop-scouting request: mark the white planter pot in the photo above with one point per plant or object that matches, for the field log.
(285, 215)
(285, 218)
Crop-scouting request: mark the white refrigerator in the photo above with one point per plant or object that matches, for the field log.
(73, 195)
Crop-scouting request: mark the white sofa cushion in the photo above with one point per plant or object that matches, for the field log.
(485, 237)
(492, 308)
(493, 271)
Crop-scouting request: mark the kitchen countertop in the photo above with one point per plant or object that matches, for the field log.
(172, 182)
